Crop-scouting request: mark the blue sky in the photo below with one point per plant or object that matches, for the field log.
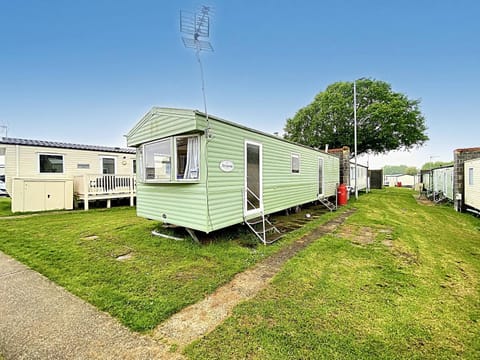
(87, 71)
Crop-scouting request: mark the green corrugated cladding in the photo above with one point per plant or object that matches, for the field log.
(183, 204)
(163, 122)
(186, 204)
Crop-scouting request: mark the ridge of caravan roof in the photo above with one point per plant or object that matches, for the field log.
(189, 112)
(62, 145)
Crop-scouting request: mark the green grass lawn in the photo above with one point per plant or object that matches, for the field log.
(78, 251)
(399, 280)
(5, 203)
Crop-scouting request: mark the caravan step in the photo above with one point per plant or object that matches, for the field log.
(272, 228)
(255, 221)
(273, 238)
(263, 229)
(329, 205)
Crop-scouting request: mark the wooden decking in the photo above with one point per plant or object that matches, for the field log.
(104, 187)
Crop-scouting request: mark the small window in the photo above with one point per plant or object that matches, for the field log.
(158, 160)
(134, 169)
(51, 163)
(295, 163)
(187, 157)
(470, 176)
(320, 176)
(83, 166)
(108, 165)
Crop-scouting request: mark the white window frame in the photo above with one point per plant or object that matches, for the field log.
(140, 167)
(292, 156)
(175, 159)
(470, 176)
(143, 157)
(114, 164)
(50, 154)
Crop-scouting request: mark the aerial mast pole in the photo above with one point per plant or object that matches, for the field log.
(355, 134)
(5, 127)
(196, 27)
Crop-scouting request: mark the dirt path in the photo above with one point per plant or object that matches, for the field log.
(199, 319)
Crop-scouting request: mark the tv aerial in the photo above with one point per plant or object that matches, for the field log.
(196, 29)
(5, 128)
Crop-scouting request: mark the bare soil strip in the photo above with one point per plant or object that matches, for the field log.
(201, 318)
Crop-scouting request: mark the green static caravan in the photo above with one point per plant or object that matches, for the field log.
(207, 175)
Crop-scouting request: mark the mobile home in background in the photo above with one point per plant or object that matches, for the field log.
(472, 185)
(442, 183)
(46, 175)
(460, 156)
(401, 180)
(362, 180)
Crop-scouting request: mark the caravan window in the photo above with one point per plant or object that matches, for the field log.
(172, 159)
(187, 152)
(470, 176)
(295, 163)
(108, 165)
(49, 163)
(157, 160)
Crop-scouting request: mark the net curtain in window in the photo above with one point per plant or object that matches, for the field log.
(193, 156)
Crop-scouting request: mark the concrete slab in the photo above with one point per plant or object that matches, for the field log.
(40, 320)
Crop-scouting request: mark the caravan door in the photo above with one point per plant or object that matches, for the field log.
(253, 194)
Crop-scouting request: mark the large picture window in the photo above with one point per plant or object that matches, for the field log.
(158, 160)
(172, 159)
(50, 163)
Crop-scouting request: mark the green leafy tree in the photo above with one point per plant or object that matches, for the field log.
(436, 164)
(386, 120)
(411, 170)
(399, 169)
(394, 169)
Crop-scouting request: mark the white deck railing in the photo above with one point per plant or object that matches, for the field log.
(91, 187)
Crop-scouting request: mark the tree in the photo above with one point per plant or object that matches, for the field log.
(386, 120)
(399, 170)
(436, 164)
(411, 170)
